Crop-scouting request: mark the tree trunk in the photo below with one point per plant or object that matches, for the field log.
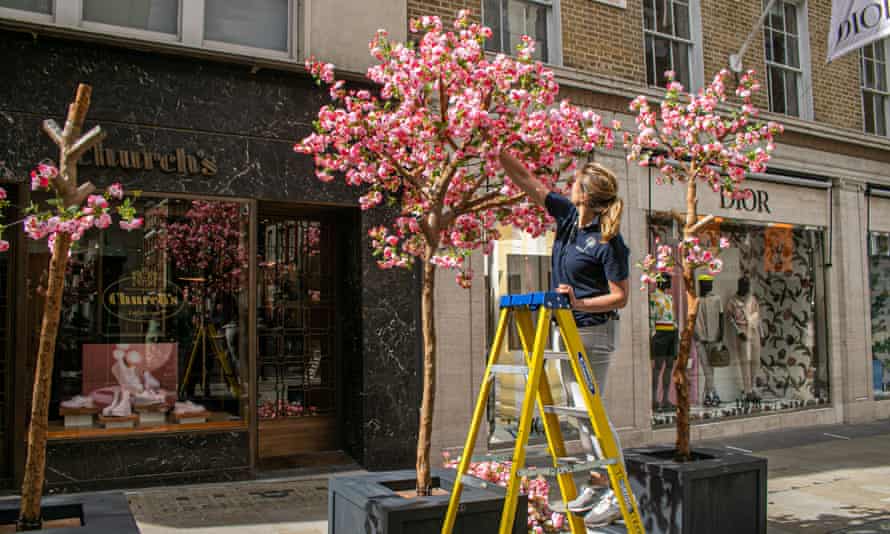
(680, 376)
(428, 321)
(32, 487)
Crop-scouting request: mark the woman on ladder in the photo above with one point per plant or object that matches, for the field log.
(590, 264)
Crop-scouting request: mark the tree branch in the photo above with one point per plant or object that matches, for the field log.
(86, 142)
(496, 203)
(52, 129)
(701, 224)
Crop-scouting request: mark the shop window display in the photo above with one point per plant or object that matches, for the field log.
(879, 283)
(153, 326)
(759, 343)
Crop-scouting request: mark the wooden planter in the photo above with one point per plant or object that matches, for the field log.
(288, 436)
(719, 492)
(372, 503)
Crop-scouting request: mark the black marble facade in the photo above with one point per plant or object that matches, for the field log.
(96, 465)
(248, 124)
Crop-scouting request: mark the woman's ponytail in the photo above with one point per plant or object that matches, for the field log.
(610, 220)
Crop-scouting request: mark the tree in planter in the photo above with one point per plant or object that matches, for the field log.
(695, 142)
(72, 212)
(429, 141)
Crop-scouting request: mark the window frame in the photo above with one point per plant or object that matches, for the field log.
(554, 30)
(803, 72)
(885, 43)
(696, 57)
(68, 14)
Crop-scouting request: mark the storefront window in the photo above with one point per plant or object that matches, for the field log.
(759, 337)
(879, 284)
(153, 332)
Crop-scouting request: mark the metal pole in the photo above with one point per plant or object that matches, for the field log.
(735, 60)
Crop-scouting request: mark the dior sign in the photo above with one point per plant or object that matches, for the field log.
(757, 200)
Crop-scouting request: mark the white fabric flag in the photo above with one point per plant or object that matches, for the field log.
(856, 23)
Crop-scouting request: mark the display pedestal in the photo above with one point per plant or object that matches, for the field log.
(191, 418)
(152, 414)
(127, 421)
(78, 417)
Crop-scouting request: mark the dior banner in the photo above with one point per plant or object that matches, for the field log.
(856, 23)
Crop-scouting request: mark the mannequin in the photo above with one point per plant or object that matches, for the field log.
(708, 333)
(663, 326)
(743, 312)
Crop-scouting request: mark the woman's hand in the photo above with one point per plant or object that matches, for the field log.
(566, 289)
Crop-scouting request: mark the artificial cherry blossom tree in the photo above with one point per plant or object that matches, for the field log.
(693, 141)
(208, 240)
(73, 211)
(429, 137)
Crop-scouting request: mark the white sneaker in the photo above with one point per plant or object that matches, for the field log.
(147, 398)
(122, 409)
(605, 511)
(584, 502)
(78, 401)
(187, 407)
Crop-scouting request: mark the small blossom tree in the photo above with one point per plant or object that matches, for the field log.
(429, 139)
(73, 210)
(694, 142)
(208, 241)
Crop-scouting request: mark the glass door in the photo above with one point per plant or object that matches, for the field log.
(296, 323)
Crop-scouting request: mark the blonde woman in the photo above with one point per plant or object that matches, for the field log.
(590, 264)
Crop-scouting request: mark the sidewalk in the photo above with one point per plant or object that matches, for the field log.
(830, 479)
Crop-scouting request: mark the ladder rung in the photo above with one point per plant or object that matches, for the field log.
(512, 369)
(550, 355)
(567, 410)
(568, 468)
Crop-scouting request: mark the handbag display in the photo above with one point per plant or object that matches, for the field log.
(718, 355)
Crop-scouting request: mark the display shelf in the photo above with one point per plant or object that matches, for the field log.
(57, 432)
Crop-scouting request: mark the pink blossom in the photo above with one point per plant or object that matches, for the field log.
(4, 245)
(134, 224)
(97, 201)
(103, 221)
(116, 191)
(2, 194)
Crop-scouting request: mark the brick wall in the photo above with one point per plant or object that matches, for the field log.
(603, 40)
(446, 9)
(721, 41)
(837, 98)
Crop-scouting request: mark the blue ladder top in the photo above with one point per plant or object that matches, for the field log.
(547, 299)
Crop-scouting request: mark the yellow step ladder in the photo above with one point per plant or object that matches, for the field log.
(534, 340)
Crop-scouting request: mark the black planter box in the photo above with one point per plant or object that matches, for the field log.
(369, 504)
(100, 513)
(719, 492)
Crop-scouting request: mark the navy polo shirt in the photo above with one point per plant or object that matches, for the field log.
(580, 260)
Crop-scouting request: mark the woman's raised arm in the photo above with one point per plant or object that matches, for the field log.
(524, 179)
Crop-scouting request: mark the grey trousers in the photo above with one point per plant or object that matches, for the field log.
(600, 343)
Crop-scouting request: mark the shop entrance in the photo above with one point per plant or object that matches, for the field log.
(298, 342)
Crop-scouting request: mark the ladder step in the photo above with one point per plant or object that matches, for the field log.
(550, 355)
(508, 369)
(567, 410)
(568, 468)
